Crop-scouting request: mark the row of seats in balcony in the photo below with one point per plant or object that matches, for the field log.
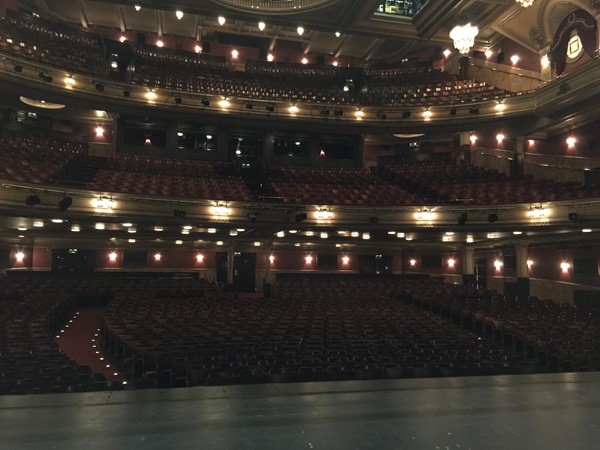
(353, 331)
(465, 183)
(53, 44)
(166, 177)
(558, 334)
(336, 186)
(33, 158)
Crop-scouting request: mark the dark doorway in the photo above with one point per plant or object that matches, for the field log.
(375, 264)
(481, 273)
(244, 271)
(222, 268)
(73, 260)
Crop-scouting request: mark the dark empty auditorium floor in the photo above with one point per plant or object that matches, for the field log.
(553, 411)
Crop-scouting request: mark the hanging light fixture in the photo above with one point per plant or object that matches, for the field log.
(464, 37)
(525, 3)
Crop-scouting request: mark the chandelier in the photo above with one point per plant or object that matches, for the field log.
(525, 3)
(464, 37)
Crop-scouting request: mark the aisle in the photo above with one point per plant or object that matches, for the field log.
(78, 341)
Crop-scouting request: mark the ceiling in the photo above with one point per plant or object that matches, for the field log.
(364, 34)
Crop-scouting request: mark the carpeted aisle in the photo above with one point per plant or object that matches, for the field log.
(78, 341)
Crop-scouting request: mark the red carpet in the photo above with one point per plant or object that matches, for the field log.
(78, 341)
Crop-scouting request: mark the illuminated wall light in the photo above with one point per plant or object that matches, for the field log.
(131, 241)
(500, 138)
(308, 259)
(132, 230)
(447, 53)
(198, 48)
(99, 226)
(257, 244)
(400, 235)
(38, 223)
(517, 233)
(103, 204)
(19, 257)
(179, 14)
(366, 236)
(220, 243)
(514, 59)
(529, 264)
(545, 62)
(538, 213)
(212, 230)
(427, 115)
(99, 131)
(147, 141)
(185, 231)
(391, 233)
(75, 228)
(324, 235)
(531, 142)
(122, 39)
(178, 242)
(233, 232)
(565, 266)
(262, 25)
(345, 260)
(470, 239)
(304, 60)
(324, 215)
(413, 262)
(160, 43)
(112, 256)
(355, 234)
(451, 262)
(157, 257)
(271, 259)
(280, 234)
(158, 228)
(586, 230)
(199, 258)
(473, 138)
(293, 231)
(335, 63)
(224, 103)
(446, 239)
(338, 34)
(310, 233)
(498, 264)
(500, 107)
(409, 237)
(300, 30)
(151, 95)
(221, 20)
(488, 53)
(270, 57)
(293, 109)
(571, 141)
(235, 53)
(137, 7)
(425, 215)
(360, 114)
(70, 81)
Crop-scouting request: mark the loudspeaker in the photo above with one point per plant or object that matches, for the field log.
(32, 200)
(141, 38)
(300, 217)
(65, 203)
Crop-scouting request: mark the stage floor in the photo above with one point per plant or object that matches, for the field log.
(556, 411)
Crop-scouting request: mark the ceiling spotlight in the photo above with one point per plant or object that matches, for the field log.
(75, 228)
(300, 30)
(179, 14)
(261, 25)
(488, 53)
(221, 20)
(137, 7)
(338, 34)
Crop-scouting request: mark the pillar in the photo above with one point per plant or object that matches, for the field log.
(522, 254)
(230, 264)
(468, 266)
(222, 145)
(464, 150)
(518, 163)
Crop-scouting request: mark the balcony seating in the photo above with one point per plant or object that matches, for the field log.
(32, 158)
(175, 178)
(54, 44)
(460, 182)
(337, 187)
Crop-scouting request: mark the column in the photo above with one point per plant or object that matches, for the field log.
(522, 254)
(517, 167)
(464, 150)
(222, 145)
(267, 281)
(468, 266)
(359, 156)
(230, 264)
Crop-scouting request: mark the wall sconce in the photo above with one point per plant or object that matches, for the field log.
(498, 265)
(345, 260)
(413, 262)
(199, 258)
(571, 141)
(112, 256)
(271, 259)
(451, 262)
(19, 256)
(500, 138)
(565, 266)
(308, 259)
(157, 257)
(529, 264)
(473, 138)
